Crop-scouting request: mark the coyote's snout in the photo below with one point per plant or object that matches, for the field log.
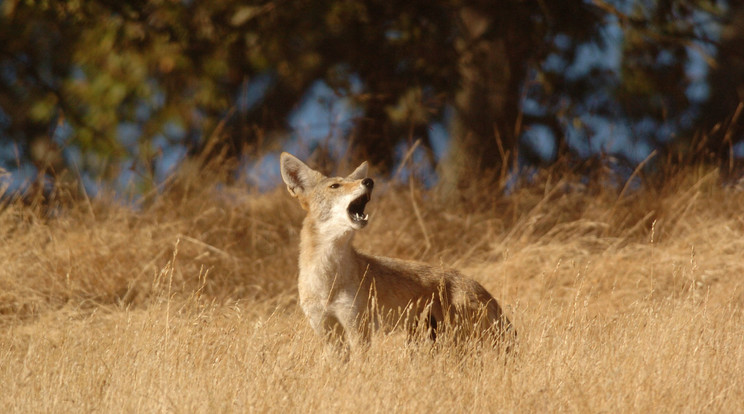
(350, 293)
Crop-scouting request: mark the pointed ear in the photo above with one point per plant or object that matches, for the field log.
(298, 176)
(360, 172)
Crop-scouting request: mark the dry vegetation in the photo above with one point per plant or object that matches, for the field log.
(187, 302)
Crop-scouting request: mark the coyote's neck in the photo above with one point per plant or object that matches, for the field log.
(326, 258)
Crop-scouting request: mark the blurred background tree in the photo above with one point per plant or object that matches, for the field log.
(104, 86)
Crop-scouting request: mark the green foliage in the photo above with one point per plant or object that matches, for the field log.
(151, 63)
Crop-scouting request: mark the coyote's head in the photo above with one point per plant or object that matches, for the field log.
(335, 204)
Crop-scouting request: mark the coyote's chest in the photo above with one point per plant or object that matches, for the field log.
(323, 279)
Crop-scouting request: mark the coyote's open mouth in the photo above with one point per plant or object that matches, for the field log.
(356, 210)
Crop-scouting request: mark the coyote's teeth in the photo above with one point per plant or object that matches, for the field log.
(360, 217)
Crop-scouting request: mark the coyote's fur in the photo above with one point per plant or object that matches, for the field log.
(344, 291)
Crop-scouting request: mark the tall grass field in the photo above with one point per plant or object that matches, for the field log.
(626, 298)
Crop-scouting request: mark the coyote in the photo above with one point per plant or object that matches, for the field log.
(351, 294)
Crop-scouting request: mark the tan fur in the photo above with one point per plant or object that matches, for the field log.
(342, 290)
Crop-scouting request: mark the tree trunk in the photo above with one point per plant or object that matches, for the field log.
(483, 132)
(722, 116)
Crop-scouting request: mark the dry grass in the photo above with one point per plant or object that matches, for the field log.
(188, 302)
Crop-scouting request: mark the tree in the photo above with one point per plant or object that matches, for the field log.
(721, 116)
(123, 79)
(150, 64)
(666, 46)
(500, 45)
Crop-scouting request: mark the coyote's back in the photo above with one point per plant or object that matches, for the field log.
(344, 291)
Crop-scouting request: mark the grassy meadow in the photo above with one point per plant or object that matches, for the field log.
(625, 300)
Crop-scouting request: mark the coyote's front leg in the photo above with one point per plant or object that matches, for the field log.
(324, 322)
(339, 323)
(355, 320)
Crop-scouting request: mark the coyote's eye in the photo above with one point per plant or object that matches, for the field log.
(334, 185)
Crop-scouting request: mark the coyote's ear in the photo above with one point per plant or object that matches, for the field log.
(298, 176)
(360, 172)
